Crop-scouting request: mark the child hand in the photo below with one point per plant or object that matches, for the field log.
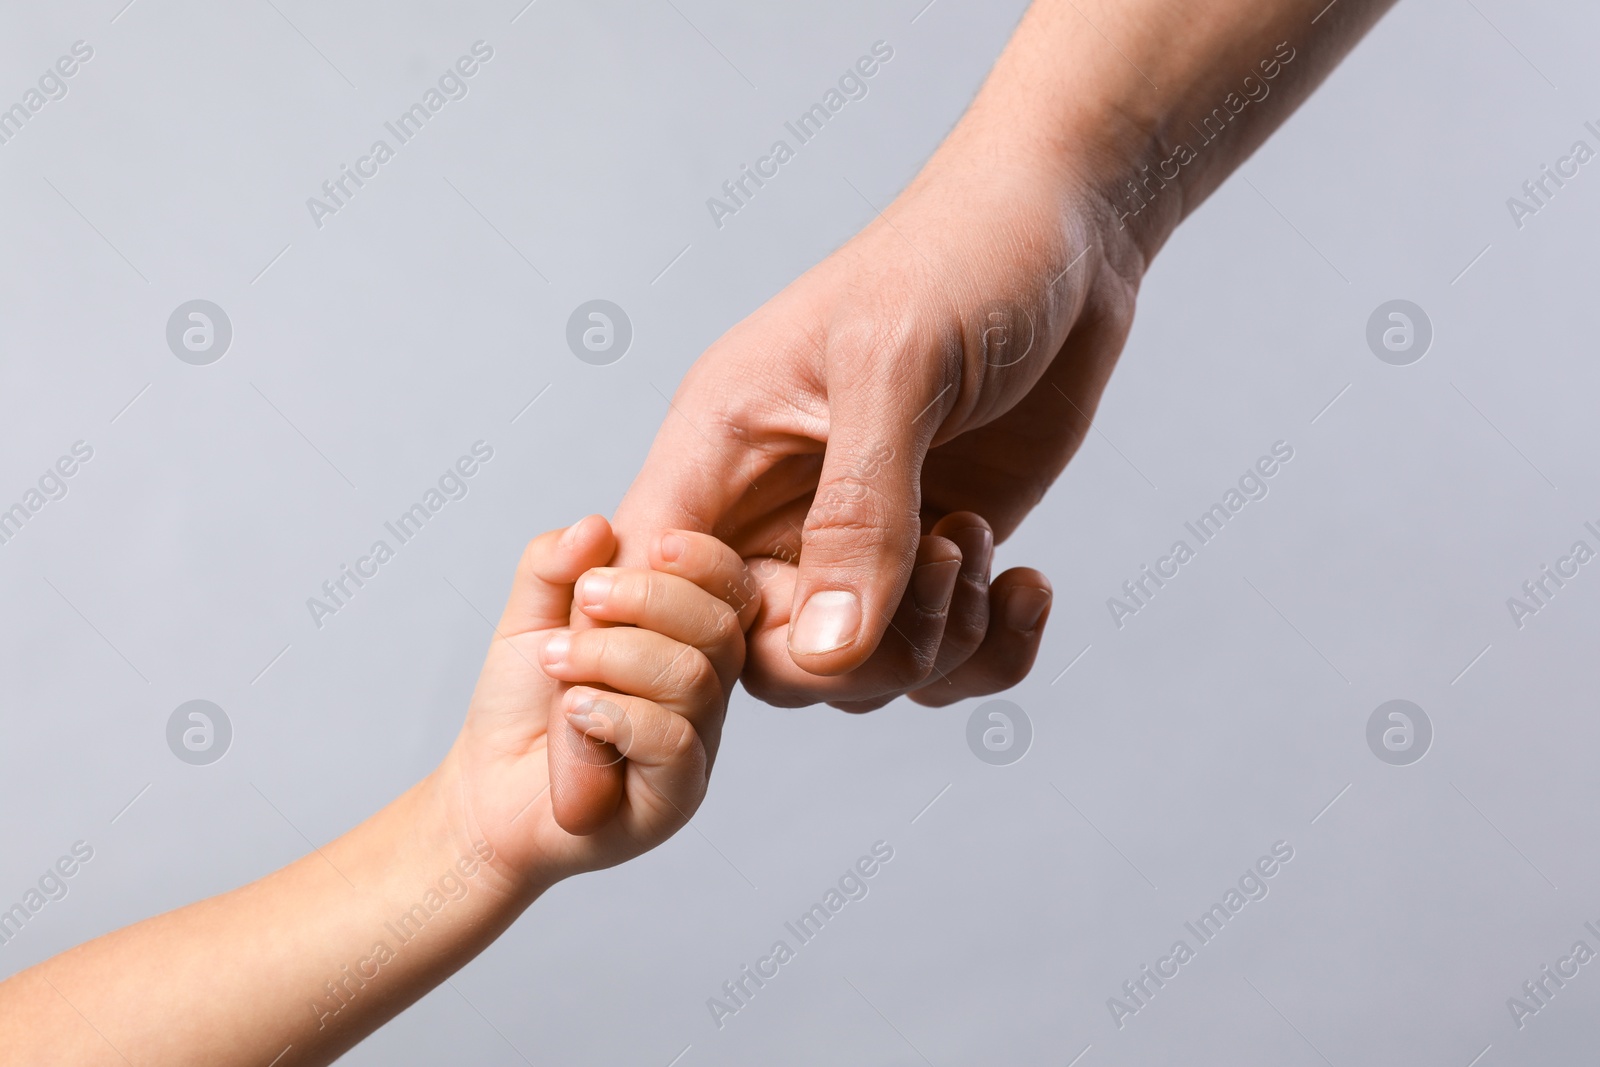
(608, 732)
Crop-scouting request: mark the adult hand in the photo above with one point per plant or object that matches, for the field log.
(946, 362)
(853, 435)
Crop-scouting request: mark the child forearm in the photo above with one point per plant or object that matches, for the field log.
(293, 969)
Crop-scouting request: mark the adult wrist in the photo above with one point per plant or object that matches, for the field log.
(1144, 107)
(1078, 116)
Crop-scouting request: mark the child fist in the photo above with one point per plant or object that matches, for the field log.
(596, 718)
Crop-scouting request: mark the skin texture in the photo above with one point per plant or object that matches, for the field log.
(942, 365)
(950, 356)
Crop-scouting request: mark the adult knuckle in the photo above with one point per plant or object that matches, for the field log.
(857, 339)
(861, 528)
(829, 520)
(1011, 672)
(859, 707)
(963, 634)
(938, 694)
(769, 688)
(909, 663)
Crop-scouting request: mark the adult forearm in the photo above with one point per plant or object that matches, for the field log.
(1151, 103)
(299, 965)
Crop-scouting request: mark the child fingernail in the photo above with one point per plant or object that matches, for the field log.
(1024, 607)
(596, 587)
(586, 717)
(555, 649)
(672, 547)
(569, 536)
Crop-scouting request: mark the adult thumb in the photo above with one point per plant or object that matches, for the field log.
(860, 536)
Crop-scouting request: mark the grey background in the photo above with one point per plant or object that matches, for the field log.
(1169, 757)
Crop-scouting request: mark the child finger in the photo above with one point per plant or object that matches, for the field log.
(586, 779)
(637, 730)
(637, 662)
(583, 794)
(541, 592)
(710, 564)
(668, 605)
(668, 765)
